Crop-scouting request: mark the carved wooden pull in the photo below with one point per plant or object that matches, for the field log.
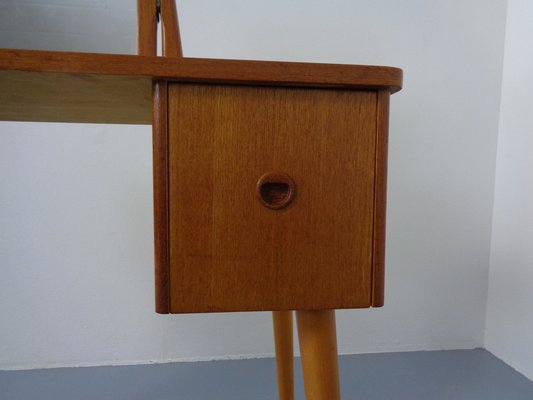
(275, 190)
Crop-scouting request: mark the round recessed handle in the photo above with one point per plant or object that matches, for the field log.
(275, 190)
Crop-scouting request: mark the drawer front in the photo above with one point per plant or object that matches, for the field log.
(228, 251)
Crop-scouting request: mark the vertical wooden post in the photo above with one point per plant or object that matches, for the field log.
(282, 321)
(380, 200)
(146, 27)
(147, 46)
(160, 173)
(318, 347)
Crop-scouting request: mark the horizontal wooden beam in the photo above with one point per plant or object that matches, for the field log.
(109, 88)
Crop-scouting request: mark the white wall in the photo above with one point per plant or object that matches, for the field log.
(509, 330)
(76, 236)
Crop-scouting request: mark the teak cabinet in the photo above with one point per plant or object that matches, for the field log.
(275, 198)
(269, 177)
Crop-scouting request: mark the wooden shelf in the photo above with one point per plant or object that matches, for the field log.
(104, 88)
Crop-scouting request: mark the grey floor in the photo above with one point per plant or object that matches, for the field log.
(436, 375)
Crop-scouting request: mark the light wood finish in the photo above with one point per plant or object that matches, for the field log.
(318, 348)
(228, 252)
(56, 97)
(380, 200)
(283, 341)
(146, 27)
(170, 29)
(160, 170)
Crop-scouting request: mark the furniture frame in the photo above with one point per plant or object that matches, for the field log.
(77, 87)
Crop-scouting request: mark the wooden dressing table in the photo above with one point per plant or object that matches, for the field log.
(269, 177)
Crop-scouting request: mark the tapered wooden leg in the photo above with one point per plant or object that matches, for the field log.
(284, 353)
(318, 347)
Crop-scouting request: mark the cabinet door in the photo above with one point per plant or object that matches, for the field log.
(227, 250)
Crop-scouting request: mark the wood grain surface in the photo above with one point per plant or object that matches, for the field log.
(283, 340)
(160, 171)
(204, 69)
(146, 28)
(59, 97)
(103, 88)
(380, 200)
(170, 29)
(318, 347)
(230, 253)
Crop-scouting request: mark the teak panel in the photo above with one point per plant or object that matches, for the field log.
(380, 200)
(160, 169)
(204, 69)
(228, 252)
(112, 88)
(147, 28)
